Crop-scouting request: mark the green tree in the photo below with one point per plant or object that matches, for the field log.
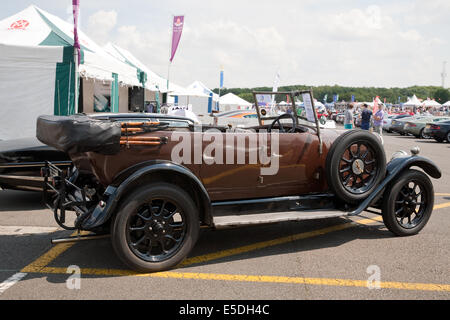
(442, 95)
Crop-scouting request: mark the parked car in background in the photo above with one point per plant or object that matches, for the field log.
(387, 123)
(417, 127)
(340, 117)
(439, 131)
(21, 160)
(398, 125)
(236, 118)
(332, 113)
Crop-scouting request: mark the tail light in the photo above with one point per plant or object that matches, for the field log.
(435, 127)
(411, 125)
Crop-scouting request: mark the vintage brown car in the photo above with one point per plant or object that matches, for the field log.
(152, 186)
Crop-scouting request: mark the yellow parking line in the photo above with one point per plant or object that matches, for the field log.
(49, 256)
(441, 206)
(442, 194)
(39, 265)
(270, 243)
(275, 242)
(258, 279)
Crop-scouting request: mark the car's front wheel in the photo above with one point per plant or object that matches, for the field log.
(408, 203)
(155, 228)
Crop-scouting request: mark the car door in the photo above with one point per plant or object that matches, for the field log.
(300, 165)
(230, 169)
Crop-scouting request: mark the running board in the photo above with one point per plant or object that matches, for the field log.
(224, 222)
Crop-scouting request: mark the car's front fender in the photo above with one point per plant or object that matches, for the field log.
(399, 164)
(394, 168)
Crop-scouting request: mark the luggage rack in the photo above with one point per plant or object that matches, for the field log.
(61, 195)
(131, 132)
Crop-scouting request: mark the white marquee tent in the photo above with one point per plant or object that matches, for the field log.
(447, 104)
(231, 101)
(199, 86)
(37, 70)
(155, 81)
(413, 102)
(431, 104)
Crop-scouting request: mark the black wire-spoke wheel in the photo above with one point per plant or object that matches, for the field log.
(356, 164)
(358, 167)
(156, 228)
(408, 203)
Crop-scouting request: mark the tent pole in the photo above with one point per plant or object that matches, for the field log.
(168, 77)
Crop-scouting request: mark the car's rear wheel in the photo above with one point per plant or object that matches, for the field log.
(356, 164)
(408, 203)
(155, 228)
(423, 135)
(448, 136)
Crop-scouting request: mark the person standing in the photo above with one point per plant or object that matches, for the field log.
(366, 116)
(378, 119)
(348, 120)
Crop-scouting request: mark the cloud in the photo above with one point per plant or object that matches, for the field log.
(385, 44)
(358, 24)
(100, 24)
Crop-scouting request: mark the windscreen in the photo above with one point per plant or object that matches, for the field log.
(271, 105)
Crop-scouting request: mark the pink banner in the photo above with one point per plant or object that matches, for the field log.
(76, 42)
(178, 23)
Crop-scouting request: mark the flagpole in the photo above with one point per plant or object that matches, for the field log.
(177, 30)
(76, 52)
(170, 56)
(76, 78)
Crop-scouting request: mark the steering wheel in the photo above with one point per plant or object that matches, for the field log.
(284, 116)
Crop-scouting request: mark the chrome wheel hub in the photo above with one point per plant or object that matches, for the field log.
(358, 167)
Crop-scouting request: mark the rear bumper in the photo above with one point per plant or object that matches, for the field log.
(437, 134)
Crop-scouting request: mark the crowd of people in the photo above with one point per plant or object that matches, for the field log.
(368, 117)
(374, 120)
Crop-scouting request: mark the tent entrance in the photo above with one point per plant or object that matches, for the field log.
(136, 97)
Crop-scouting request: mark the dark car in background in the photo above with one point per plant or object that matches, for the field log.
(387, 123)
(21, 160)
(398, 125)
(439, 131)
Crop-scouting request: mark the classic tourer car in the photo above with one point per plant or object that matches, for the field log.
(151, 186)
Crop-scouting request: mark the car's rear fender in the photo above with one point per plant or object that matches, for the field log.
(394, 168)
(148, 172)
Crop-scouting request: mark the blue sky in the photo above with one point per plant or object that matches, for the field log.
(346, 42)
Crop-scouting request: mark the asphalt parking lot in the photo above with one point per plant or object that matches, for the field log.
(323, 259)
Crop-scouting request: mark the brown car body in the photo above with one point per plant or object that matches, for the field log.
(301, 166)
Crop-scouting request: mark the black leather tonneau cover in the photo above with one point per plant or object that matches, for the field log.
(79, 133)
